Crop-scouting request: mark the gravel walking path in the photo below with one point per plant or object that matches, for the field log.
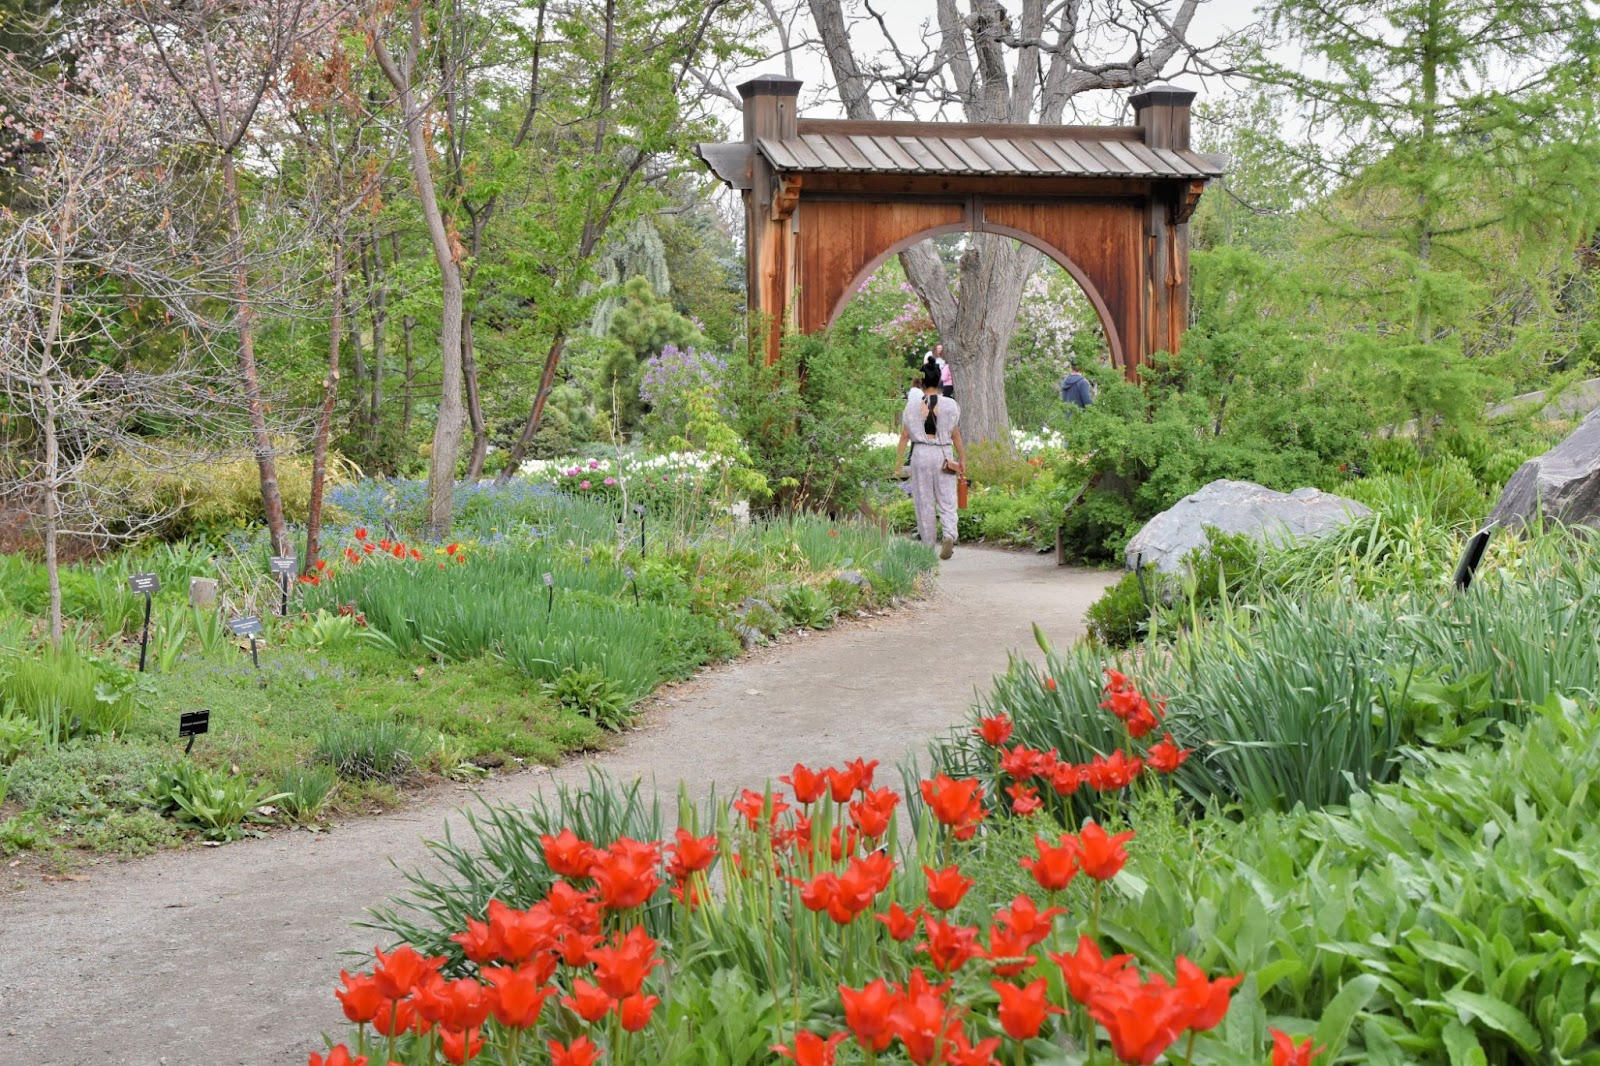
(216, 957)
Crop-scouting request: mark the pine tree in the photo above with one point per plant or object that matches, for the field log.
(1453, 140)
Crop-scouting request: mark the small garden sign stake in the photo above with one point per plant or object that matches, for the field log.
(627, 572)
(284, 566)
(248, 626)
(147, 585)
(638, 509)
(191, 724)
(550, 588)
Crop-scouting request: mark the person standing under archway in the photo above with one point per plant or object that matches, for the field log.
(931, 425)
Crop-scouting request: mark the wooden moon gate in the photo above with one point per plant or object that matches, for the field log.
(827, 201)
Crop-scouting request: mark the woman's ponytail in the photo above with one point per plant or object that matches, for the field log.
(932, 374)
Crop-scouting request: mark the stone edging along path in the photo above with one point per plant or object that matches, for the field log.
(228, 955)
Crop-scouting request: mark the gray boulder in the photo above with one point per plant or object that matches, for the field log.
(1238, 507)
(1563, 484)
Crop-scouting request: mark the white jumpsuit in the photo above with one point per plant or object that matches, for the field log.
(932, 490)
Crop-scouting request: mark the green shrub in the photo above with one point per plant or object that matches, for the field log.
(373, 751)
(201, 493)
(216, 802)
(304, 790)
(588, 691)
(806, 606)
(1459, 903)
(1121, 616)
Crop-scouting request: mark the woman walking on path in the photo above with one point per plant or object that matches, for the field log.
(931, 424)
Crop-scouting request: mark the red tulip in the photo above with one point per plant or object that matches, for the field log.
(400, 1017)
(451, 549)
(810, 1049)
(1166, 756)
(818, 893)
(754, 804)
(635, 1011)
(518, 996)
(921, 1020)
(567, 854)
(459, 1047)
(626, 874)
(1065, 778)
(956, 804)
(1024, 799)
(361, 533)
(1108, 774)
(587, 1001)
(949, 947)
(1207, 1001)
(360, 997)
(397, 973)
(871, 813)
(1022, 763)
(1101, 856)
(868, 1013)
(995, 730)
(1117, 682)
(902, 926)
(1086, 969)
(517, 936)
(691, 854)
(1023, 1010)
(959, 1051)
(1056, 865)
(1009, 951)
(581, 1052)
(620, 969)
(842, 784)
(1050, 683)
(1142, 1020)
(1285, 1052)
(809, 785)
(1026, 920)
(338, 1055)
(946, 887)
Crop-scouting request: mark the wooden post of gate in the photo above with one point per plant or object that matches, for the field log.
(770, 111)
(1163, 113)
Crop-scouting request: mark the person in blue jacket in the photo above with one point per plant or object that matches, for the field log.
(1075, 390)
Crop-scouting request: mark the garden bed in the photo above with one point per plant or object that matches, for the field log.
(399, 663)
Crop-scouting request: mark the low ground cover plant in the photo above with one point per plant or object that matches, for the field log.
(835, 920)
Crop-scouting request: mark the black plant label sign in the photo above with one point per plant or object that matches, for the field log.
(284, 564)
(248, 626)
(144, 583)
(193, 723)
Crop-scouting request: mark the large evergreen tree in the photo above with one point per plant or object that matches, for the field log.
(1452, 140)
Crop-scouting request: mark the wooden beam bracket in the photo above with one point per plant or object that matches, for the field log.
(1181, 209)
(785, 195)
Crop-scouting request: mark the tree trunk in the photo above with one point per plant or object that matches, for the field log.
(52, 508)
(380, 317)
(330, 396)
(993, 272)
(531, 426)
(469, 374)
(358, 369)
(447, 430)
(266, 456)
(408, 324)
